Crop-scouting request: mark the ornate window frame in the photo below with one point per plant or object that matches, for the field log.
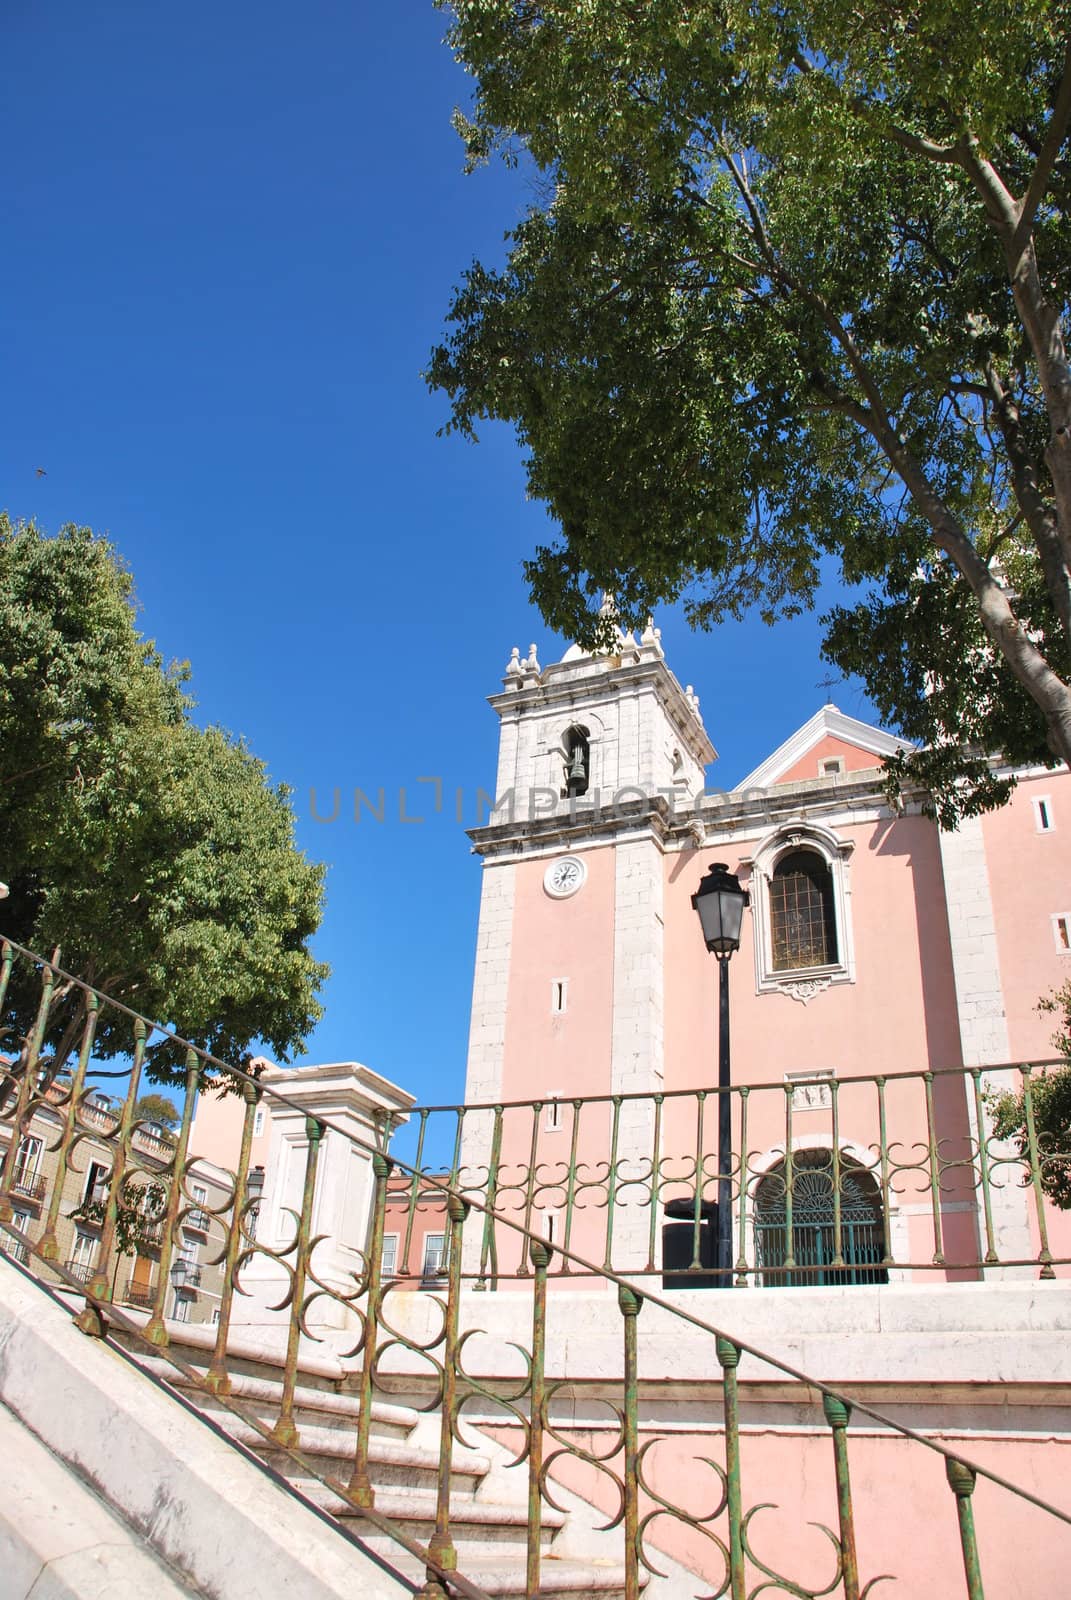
(802, 983)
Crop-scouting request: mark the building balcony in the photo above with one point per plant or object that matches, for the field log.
(29, 1187)
(185, 1277)
(82, 1270)
(139, 1294)
(198, 1221)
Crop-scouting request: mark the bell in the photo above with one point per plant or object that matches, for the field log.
(576, 774)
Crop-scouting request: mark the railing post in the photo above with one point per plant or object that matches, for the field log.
(838, 1414)
(961, 1480)
(1044, 1253)
(935, 1172)
(729, 1358)
(489, 1243)
(741, 1259)
(155, 1331)
(360, 1486)
(47, 1246)
(441, 1545)
(285, 1431)
(90, 1320)
(217, 1378)
(540, 1254)
(26, 1087)
(630, 1302)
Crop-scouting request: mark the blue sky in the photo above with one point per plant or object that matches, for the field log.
(231, 235)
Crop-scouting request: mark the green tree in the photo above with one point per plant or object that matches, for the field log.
(158, 1109)
(152, 856)
(796, 289)
(1050, 1094)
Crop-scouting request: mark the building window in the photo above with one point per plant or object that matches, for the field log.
(14, 1247)
(27, 1161)
(434, 1250)
(180, 1310)
(553, 1113)
(83, 1252)
(803, 925)
(862, 1228)
(1043, 822)
(801, 909)
(258, 1122)
(559, 996)
(96, 1190)
(389, 1260)
(550, 1226)
(831, 766)
(1061, 932)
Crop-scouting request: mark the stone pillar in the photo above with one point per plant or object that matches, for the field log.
(983, 1026)
(637, 1046)
(350, 1098)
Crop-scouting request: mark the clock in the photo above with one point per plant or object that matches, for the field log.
(564, 877)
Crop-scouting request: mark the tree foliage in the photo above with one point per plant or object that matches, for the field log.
(158, 1110)
(796, 290)
(153, 856)
(1050, 1094)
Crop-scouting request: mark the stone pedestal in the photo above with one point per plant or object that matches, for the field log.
(350, 1101)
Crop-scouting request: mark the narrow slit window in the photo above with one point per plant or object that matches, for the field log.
(1061, 931)
(559, 996)
(1043, 822)
(554, 1114)
(550, 1226)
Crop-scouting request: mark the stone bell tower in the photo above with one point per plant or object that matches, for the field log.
(598, 754)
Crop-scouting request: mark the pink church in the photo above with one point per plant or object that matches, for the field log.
(880, 961)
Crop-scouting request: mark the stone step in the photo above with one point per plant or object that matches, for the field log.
(478, 1520)
(263, 1396)
(496, 1575)
(391, 1462)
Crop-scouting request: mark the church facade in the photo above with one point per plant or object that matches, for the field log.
(888, 977)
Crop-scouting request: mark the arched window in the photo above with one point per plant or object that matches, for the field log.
(577, 760)
(814, 1224)
(803, 922)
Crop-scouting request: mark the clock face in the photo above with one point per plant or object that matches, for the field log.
(563, 878)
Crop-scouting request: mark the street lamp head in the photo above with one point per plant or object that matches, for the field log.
(720, 902)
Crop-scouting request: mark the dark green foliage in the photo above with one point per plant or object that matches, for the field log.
(154, 856)
(766, 316)
(1050, 1093)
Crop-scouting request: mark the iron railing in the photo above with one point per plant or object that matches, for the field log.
(650, 1517)
(857, 1179)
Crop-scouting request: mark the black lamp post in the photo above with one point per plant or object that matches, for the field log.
(720, 902)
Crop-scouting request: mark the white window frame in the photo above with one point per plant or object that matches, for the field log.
(27, 1161)
(552, 1113)
(1043, 819)
(430, 1273)
(258, 1121)
(83, 1248)
(389, 1272)
(802, 983)
(559, 996)
(549, 1226)
(1061, 932)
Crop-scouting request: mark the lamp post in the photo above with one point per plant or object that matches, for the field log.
(720, 902)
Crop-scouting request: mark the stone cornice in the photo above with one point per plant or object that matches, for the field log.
(857, 796)
(572, 685)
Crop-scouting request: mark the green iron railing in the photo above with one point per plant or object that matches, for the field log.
(860, 1179)
(47, 1091)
